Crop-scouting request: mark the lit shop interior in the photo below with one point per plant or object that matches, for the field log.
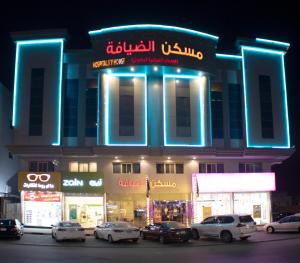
(234, 193)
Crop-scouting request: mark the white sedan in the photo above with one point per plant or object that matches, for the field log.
(288, 223)
(115, 231)
(68, 230)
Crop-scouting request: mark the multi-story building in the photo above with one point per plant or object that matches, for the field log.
(150, 124)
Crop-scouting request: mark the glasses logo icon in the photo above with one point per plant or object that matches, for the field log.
(44, 178)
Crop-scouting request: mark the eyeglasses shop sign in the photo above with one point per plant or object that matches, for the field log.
(82, 183)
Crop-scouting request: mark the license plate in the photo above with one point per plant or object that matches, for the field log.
(2, 229)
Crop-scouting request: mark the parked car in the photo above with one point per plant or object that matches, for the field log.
(68, 230)
(115, 231)
(11, 228)
(225, 227)
(288, 223)
(166, 231)
(277, 216)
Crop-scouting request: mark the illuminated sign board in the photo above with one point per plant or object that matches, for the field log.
(233, 182)
(38, 196)
(39, 181)
(149, 46)
(82, 183)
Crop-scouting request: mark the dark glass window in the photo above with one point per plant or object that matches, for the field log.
(126, 107)
(160, 168)
(116, 168)
(235, 111)
(183, 108)
(33, 166)
(36, 102)
(91, 108)
(179, 168)
(217, 111)
(71, 107)
(211, 168)
(36, 166)
(126, 168)
(225, 219)
(250, 167)
(136, 168)
(169, 168)
(266, 112)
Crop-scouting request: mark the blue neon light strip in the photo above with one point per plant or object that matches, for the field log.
(273, 42)
(225, 56)
(98, 110)
(19, 44)
(151, 26)
(271, 52)
(201, 109)
(107, 109)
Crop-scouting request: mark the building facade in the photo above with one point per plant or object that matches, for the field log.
(150, 124)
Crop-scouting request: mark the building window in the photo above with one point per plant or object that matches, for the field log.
(41, 166)
(83, 167)
(217, 111)
(183, 108)
(169, 168)
(266, 112)
(235, 111)
(91, 108)
(36, 102)
(126, 107)
(250, 167)
(126, 168)
(211, 168)
(71, 107)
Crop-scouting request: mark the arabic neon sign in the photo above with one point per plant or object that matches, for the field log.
(166, 49)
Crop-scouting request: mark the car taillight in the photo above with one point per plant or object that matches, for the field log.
(240, 225)
(118, 230)
(13, 229)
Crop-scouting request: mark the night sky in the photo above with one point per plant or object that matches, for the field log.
(226, 19)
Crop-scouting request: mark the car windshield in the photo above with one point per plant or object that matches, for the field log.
(246, 219)
(174, 225)
(122, 225)
(69, 224)
(7, 222)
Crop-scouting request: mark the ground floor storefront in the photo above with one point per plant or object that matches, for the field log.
(47, 198)
(247, 193)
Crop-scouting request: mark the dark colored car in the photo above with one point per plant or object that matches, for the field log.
(167, 231)
(11, 228)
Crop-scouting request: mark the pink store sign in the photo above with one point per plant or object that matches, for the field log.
(233, 182)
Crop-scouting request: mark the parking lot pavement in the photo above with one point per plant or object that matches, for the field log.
(46, 240)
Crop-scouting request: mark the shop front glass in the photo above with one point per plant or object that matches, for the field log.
(170, 211)
(41, 208)
(133, 211)
(256, 204)
(212, 204)
(86, 210)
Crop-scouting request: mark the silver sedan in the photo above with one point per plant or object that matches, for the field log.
(286, 224)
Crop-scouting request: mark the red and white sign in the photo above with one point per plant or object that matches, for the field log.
(41, 196)
(233, 182)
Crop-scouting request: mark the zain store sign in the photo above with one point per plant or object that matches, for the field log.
(34, 181)
(82, 183)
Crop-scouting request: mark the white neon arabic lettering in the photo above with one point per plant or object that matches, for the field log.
(176, 49)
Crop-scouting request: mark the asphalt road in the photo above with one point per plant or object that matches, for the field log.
(261, 248)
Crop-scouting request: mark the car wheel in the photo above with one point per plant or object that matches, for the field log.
(162, 240)
(52, 235)
(195, 234)
(135, 240)
(96, 235)
(226, 236)
(18, 237)
(244, 238)
(110, 239)
(270, 230)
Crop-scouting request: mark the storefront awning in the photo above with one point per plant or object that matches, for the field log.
(233, 182)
